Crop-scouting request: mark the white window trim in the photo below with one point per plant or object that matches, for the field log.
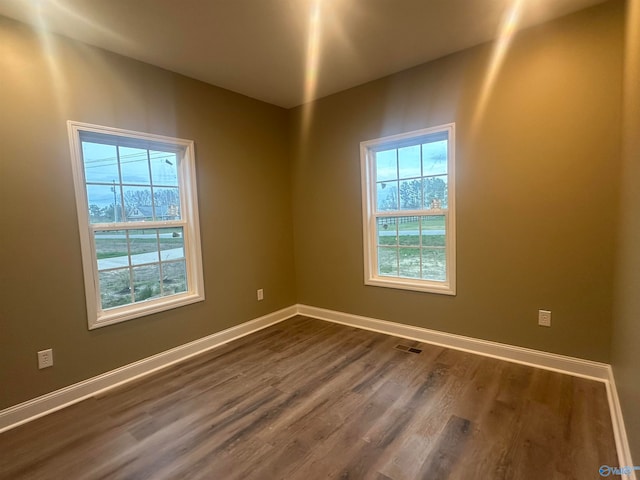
(192, 249)
(371, 276)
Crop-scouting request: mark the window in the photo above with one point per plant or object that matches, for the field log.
(408, 210)
(138, 215)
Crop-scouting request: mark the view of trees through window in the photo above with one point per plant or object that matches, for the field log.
(412, 179)
(412, 192)
(127, 185)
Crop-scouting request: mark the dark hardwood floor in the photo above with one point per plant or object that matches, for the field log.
(307, 399)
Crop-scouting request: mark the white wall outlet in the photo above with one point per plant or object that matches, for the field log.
(45, 358)
(544, 318)
(260, 294)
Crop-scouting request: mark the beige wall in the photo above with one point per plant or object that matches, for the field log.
(537, 188)
(626, 325)
(244, 198)
(538, 184)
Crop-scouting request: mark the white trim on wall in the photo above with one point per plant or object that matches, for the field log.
(50, 402)
(526, 356)
(619, 430)
(45, 404)
(578, 367)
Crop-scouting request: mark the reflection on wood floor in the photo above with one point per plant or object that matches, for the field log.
(307, 399)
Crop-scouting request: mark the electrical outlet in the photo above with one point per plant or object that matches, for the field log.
(45, 358)
(260, 294)
(544, 318)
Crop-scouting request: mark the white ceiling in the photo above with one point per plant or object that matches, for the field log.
(260, 47)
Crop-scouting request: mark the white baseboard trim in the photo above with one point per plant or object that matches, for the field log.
(549, 361)
(619, 430)
(534, 358)
(50, 402)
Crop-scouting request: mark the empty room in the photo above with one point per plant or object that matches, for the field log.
(307, 239)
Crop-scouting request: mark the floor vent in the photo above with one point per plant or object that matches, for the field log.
(404, 348)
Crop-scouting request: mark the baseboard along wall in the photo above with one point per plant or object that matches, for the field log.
(50, 402)
(58, 399)
(601, 372)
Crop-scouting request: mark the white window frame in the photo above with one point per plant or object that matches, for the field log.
(370, 214)
(189, 221)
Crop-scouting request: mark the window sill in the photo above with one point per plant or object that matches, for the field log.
(416, 286)
(142, 309)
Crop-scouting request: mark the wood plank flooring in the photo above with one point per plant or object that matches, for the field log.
(307, 399)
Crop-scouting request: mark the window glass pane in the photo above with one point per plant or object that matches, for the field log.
(410, 206)
(388, 261)
(101, 200)
(134, 165)
(129, 177)
(138, 204)
(112, 250)
(115, 288)
(164, 168)
(434, 264)
(411, 194)
(174, 279)
(436, 192)
(386, 165)
(146, 282)
(144, 246)
(387, 229)
(409, 231)
(433, 231)
(434, 158)
(409, 161)
(409, 262)
(387, 195)
(100, 163)
(167, 202)
(171, 244)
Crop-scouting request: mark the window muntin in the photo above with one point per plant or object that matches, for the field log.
(408, 210)
(137, 210)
